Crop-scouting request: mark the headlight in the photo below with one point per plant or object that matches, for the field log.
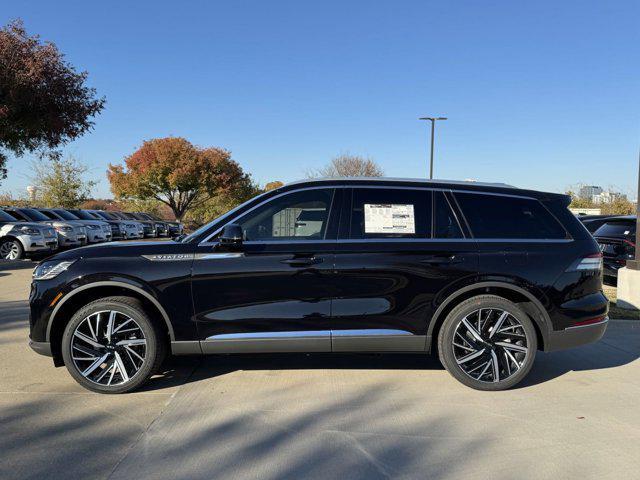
(48, 270)
(64, 229)
(93, 227)
(130, 225)
(30, 231)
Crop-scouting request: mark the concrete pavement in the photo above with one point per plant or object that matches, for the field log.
(322, 416)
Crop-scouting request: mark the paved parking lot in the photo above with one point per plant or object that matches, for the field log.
(322, 416)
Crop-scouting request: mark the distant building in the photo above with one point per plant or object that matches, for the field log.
(608, 197)
(587, 192)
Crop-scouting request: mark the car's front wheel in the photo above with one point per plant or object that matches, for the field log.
(11, 249)
(487, 343)
(111, 345)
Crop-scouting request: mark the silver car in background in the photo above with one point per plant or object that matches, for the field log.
(128, 228)
(69, 235)
(97, 231)
(19, 239)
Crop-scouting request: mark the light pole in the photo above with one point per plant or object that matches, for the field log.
(433, 131)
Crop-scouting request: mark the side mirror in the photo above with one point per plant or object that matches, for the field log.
(231, 235)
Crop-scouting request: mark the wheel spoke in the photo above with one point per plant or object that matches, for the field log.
(495, 367)
(498, 324)
(129, 349)
(95, 365)
(132, 341)
(112, 318)
(513, 346)
(86, 339)
(469, 357)
(474, 333)
(121, 367)
(93, 334)
(122, 325)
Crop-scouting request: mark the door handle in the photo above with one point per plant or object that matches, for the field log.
(442, 260)
(302, 261)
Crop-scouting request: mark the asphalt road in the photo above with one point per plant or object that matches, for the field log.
(319, 417)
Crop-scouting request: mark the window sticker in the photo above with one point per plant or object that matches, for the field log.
(389, 218)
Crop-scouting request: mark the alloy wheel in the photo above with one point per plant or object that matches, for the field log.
(490, 345)
(108, 348)
(9, 251)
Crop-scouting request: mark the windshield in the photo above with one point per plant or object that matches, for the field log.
(34, 214)
(84, 215)
(66, 215)
(5, 217)
(106, 215)
(219, 219)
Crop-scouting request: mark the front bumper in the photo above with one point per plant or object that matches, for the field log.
(43, 348)
(39, 244)
(575, 336)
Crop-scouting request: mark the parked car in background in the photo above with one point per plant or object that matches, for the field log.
(115, 225)
(128, 228)
(616, 237)
(148, 229)
(484, 275)
(97, 231)
(19, 239)
(161, 227)
(593, 222)
(69, 234)
(174, 228)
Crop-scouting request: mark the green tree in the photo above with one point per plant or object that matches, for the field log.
(174, 172)
(61, 182)
(44, 102)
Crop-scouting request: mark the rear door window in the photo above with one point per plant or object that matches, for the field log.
(506, 217)
(390, 213)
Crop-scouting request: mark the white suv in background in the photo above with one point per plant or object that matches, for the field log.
(18, 239)
(69, 235)
(128, 228)
(97, 231)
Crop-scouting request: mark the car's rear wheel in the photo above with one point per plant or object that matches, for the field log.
(11, 249)
(111, 345)
(487, 343)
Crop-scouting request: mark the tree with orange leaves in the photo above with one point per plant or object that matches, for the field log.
(176, 173)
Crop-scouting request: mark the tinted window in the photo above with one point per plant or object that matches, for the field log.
(390, 213)
(34, 214)
(5, 217)
(616, 229)
(445, 223)
(66, 215)
(50, 215)
(297, 216)
(19, 216)
(497, 216)
(84, 215)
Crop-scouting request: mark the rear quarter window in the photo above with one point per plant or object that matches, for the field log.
(501, 216)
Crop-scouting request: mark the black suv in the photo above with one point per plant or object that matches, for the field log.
(483, 274)
(616, 237)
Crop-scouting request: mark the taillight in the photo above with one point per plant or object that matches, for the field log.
(588, 263)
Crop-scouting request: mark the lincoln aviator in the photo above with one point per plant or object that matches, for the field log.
(482, 275)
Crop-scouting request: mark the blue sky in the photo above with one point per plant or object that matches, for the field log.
(539, 94)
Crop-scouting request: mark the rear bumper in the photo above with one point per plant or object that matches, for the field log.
(575, 336)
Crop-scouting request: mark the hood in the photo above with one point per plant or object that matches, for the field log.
(123, 249)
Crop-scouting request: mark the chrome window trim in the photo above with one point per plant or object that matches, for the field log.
(208, 242)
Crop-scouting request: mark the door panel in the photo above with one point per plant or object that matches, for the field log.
(390, 272)
(273, 293)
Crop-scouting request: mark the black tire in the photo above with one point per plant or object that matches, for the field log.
(155, 348)
(453, 325)
(14, 245)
